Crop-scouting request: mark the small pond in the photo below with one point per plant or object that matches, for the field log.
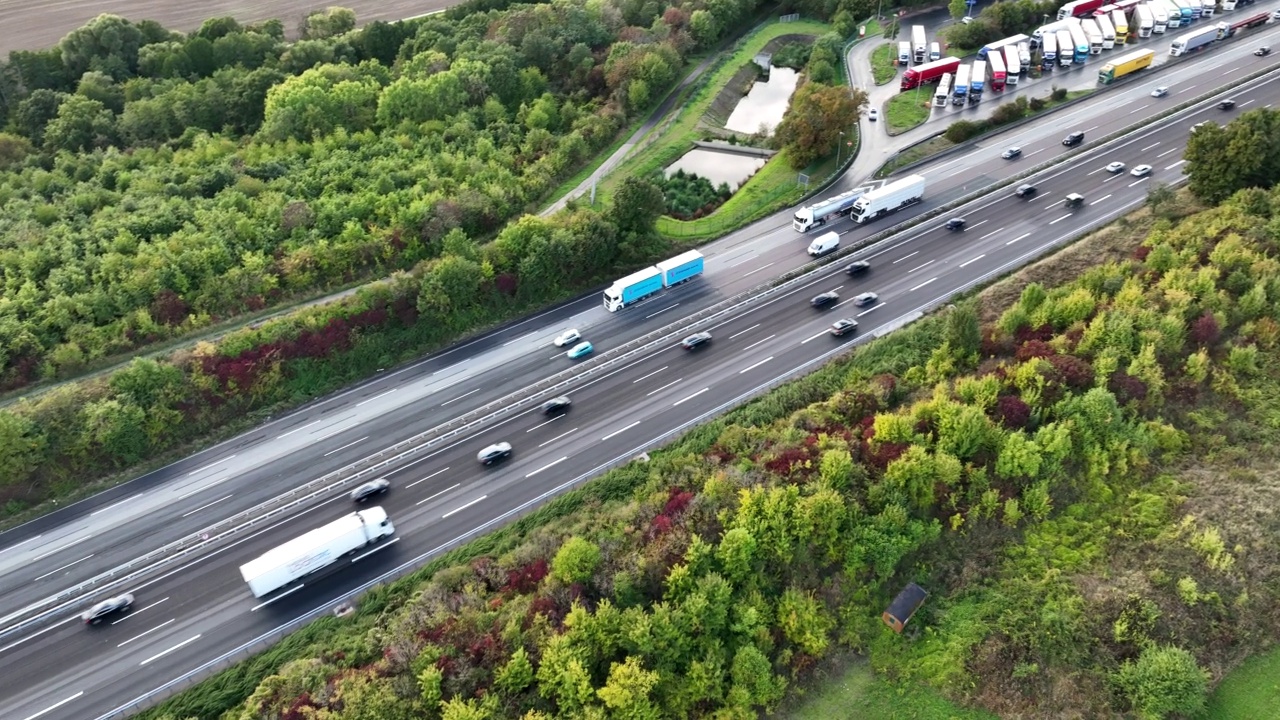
(718, 167)
(765, 104)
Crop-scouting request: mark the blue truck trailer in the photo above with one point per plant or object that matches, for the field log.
(681, 267)
(643, 283)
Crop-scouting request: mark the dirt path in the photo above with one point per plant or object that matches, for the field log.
(39, 24)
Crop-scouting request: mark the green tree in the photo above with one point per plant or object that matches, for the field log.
(576, 560)
(22, 448)
(1165, 680)
(737, 554)
(81, 124)
(817, 115)
(117, 429)
(836, 468)
(627, 692)
(516, 675)
(754, 682)
(327, 23)
(1246, 153)
(964, 331)
(805, 622)
(35, 112)
(636, 206)
(99, 86)
(563, 677)
(108, 43)
(957, 8)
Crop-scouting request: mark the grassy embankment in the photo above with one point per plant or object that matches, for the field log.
(908, 109)
(774, 186)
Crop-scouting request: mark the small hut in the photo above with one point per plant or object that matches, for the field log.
(904, 606)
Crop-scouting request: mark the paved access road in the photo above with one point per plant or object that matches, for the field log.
(194, 613)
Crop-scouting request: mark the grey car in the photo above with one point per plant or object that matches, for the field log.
(369, 489)
(494, 453)
(107, 608)
(556, 405)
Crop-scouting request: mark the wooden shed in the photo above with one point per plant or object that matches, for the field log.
(904, 606)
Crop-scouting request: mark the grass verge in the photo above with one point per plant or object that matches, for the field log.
(850, 689)
(938, 144)
(907, 110)
(883, 68)
(1251, 691)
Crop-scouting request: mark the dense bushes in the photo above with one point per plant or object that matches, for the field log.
(995, 466)
(690, 196)
(161, 182)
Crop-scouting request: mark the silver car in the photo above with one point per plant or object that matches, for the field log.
(369, 489)
(494, 453)
(107, 608)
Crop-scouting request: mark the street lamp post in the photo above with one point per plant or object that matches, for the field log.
(839, 145)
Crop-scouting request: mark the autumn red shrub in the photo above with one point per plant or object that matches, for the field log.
(1012, 412)
(525, 578)
(1204, 330)
(1075, 372)
(787, 460)
(677, 501)
(1141, 252)
(1034, 349)
(1126, 387)
(1044, 332)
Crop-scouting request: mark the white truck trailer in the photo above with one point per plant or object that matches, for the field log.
(824, 211)
(315, 550)
(890, 198)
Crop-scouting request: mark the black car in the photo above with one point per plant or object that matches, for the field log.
(844, 327)
(1226, 104)
(556, 405)
(1074, 138)
(369, 489)
(494, 453)
(955, 224)
(1026, 192)
(825, 299)
(696, 341)
(107, 608)
(858, 267)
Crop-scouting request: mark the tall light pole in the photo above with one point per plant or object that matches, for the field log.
(839, 145)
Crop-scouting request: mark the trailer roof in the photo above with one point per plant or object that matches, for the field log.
(681, 259)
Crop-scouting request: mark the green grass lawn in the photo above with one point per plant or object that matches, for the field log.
(883, 68)
(907, 110)
(1251, 691)
(853, 691)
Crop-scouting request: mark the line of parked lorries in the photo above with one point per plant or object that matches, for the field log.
(1083, 28)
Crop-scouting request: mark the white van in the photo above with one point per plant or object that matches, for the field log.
(935, 51)
(904, 53)
(824, 244)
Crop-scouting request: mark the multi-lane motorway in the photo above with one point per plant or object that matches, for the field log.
(196, 611)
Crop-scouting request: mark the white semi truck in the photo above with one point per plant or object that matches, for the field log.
(890, 198)
(315, 550)
(825, 211)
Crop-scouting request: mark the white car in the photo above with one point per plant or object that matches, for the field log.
(873, 114)
(1160, 91)
(1115, 167)
(568, 337)
(1141, 171)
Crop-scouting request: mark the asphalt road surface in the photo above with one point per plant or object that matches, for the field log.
(195, 612)
(36, 25)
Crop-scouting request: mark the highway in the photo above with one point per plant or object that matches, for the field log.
(195, 612)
